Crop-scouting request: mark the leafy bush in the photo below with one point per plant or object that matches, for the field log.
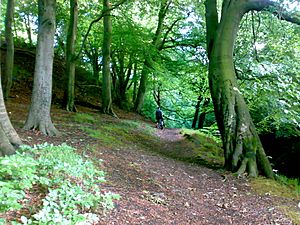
(71, 184)
(17, 172)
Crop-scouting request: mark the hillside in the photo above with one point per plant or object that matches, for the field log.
(162, 176)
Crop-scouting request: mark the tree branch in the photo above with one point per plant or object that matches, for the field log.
(274, 8)
(95, 21)
(167, 33)
(180, 44)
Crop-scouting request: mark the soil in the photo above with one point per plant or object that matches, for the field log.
(154, 188)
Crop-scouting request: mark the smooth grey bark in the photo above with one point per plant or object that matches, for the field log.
(39, 113)
(70, 57)
(106, 76)
(9, 38)
(9, 139)
(242, 147)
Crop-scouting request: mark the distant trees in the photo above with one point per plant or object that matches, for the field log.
(156, 42)
(106, 52)
(39, 113)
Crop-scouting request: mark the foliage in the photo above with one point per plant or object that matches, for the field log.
(268, 73)
(71, 184)
(17, 173)
(266, 57)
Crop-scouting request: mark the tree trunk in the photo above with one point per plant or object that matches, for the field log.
(106, 76)
(9, 37)
(122, 73)
(135, 82)
(39, 112)
(196, 112)
(92, 52)
(96, 66)
(28, 28)
(8, 136)
(139, 101)
(70, 63)
(203, 113)
(242, 147)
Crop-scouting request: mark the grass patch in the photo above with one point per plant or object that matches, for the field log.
(107, 139)
(84, 118)
(120, 133)
(265, 186)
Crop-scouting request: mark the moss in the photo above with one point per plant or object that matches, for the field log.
(105, 138)
(268, 186)
(84, 118)
(206, 148)
(117, 133)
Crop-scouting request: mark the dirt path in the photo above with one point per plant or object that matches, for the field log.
(160, 190)
(156, 189)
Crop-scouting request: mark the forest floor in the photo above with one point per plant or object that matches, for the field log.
(152, 171)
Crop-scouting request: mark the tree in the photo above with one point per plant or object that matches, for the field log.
(9, 139)
(121, 75)
(242, 146)
(70, 58)
(9, 37)
(106, 51)
(93, 56)
(25, 19)
(93, 52)
(39, 112)
(156, 43)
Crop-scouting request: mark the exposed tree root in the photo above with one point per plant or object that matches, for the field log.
(45, 128)
(6, 148)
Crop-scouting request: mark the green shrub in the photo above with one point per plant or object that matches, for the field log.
(71, 184)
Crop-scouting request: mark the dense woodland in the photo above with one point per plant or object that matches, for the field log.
(228, 67)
